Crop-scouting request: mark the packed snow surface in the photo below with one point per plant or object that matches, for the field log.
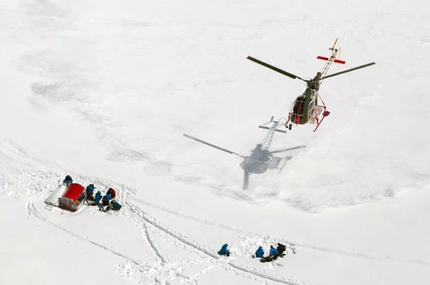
(105, 90)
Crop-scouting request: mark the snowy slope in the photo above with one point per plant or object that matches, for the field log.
(104, 91)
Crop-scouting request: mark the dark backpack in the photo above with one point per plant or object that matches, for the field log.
(115, 206)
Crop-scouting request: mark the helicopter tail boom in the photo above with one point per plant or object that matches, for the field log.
(276, 130)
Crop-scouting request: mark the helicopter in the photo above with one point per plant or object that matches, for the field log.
(261, 158)
(306, 108)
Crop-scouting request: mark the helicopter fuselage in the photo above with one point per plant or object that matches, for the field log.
(254, 166)
(304, 107)
(258, 161)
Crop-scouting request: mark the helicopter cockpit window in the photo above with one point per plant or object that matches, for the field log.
(299, 105)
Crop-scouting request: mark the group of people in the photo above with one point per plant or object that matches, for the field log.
(274, 253)
(104, 202)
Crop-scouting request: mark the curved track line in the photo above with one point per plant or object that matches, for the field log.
(313, 247)
(214, 256)
(31, 209)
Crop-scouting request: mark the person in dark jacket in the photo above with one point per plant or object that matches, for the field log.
(106, 199)
(105, 203)
(224, 250)
(281, 249)
(68, 180)
(111, 192)
(97, 198)
(89, 192)
(259, 252)
(114, 205)
(273, 252)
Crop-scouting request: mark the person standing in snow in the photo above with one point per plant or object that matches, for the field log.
(224, 250)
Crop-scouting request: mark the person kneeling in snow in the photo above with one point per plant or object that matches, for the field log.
(106, 199)
(111, 192)
(105, 202)
(260, 252)
(97, 199)
(89, 192)
(273, 252)
(68, 180)
(281, 249)
(224, 250)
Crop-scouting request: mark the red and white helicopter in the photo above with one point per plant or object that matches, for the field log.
(307, 108)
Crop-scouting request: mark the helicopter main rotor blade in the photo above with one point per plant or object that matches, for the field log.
(275, 68)
(287, 149)
(348, 70)
(212, 145)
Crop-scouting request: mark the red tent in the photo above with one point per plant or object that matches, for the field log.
(72, 197)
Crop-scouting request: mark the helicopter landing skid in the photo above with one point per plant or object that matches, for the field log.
(324, 114)
(279, 162)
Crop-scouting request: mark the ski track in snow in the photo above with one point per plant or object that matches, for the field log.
(161, 272)
(134, 267)
(274, 239)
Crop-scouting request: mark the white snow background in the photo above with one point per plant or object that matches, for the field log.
(104, 90)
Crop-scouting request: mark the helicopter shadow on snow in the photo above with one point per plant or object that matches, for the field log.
(261, 158)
